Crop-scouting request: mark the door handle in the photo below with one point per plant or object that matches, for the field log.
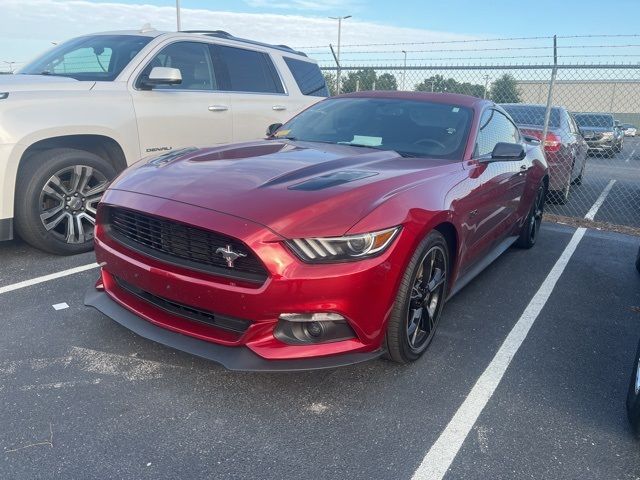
(279, 108)
(218, 108)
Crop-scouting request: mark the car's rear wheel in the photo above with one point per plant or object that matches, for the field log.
(531, 228)
(57, 194)
(633, 396)
(419, 300)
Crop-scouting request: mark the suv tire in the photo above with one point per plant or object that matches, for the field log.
(56, 195)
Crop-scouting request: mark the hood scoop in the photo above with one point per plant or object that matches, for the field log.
(331, 180)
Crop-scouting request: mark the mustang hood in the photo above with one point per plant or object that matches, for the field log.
(38, 83)
(296, 189)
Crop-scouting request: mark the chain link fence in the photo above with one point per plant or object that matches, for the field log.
(585, 112)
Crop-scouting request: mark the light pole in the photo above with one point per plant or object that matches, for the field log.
(338, 72)
(178, 15)
(404, 71)
(486, 85)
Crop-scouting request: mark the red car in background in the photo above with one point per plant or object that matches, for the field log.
(335, 240)
(565, 148)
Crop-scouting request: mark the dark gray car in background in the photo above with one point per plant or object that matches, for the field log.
(564, 147)
(600, 132)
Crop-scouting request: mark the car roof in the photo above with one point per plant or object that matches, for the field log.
(451, 98)
(148, 31)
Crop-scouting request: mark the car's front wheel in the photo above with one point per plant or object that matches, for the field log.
(419, 300)
(57, 194)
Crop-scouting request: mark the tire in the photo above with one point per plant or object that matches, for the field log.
(638, 261)
(578, 180)
(633, 397)
(560, 197)
(52, 214)
(531, 228)
(419, 301)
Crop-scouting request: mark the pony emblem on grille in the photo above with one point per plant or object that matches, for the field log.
(229, 255)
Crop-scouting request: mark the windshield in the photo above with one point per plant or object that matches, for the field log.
(411, 128)
(604, 121)
(94, 58)
(532, 115)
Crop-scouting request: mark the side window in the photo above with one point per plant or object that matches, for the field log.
(494, 128)
(193, 61)
(246, 71)
(308, 77)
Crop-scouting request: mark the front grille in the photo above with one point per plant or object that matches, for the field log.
(182, 245)
(190, 313)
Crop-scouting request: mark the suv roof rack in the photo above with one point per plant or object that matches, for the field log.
(227, 35)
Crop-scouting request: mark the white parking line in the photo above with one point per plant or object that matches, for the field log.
(591, 214)
(440, 456)
(630, 156)
(46, 278)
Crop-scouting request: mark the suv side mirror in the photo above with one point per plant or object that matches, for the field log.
(271, 129)
(508, 152)
(162, 76)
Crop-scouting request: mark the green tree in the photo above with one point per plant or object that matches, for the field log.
(505, 89)
(359, 80)
(330, 80)
(386, 81)
(437, 83)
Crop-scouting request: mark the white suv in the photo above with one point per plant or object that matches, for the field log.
(80, 113)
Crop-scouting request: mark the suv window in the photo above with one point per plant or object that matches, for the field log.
(246, 70)
(308, 77)
(495, 128)
(193, 61)
(594, 120)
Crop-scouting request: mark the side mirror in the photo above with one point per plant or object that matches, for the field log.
(162, 76)
(507, 152)
(273, 128)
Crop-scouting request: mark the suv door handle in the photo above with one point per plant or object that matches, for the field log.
(218, 108)
(279, 108)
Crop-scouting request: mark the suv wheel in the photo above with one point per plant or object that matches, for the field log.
(56, 198)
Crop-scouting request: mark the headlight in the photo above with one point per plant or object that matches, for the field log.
(607, 134)
(340, 249)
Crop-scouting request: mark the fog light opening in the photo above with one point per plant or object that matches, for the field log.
(309, 328)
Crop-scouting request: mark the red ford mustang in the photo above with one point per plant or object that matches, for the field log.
(335, 240)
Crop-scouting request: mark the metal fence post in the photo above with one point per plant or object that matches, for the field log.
(552, 82)
(338, 69)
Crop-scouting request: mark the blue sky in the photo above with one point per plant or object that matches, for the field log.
(475, 17)
(27, 27)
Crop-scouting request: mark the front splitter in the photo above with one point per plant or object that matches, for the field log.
(232, 358)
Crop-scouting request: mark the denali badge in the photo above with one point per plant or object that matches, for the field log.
(229, 255)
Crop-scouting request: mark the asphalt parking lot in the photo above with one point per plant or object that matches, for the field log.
(84, 398)
(618, 177)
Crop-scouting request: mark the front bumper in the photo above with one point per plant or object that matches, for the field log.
(605, 144)
(232, 358)
(362, 292)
